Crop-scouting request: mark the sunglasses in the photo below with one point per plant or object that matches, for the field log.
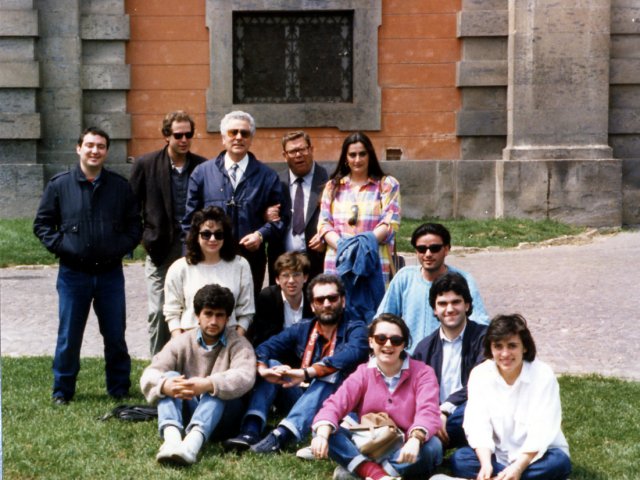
(178, 136)
(333, 298)
(433, 248)
(354, 215)
(381, 339)
(235, 131)
(207, 234)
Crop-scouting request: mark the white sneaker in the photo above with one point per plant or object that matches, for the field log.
(341, 473)
(167, 451)
(184, 456)
(305, 453)
(442, 476)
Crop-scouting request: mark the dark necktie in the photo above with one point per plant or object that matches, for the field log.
(298, 208)
(233, 172)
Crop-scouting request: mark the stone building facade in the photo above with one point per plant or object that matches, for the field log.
(481, 108)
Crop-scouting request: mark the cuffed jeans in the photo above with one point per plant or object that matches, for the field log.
(304, 403)
(344, 451)
(155, 275)
(204, 412)
(76, 292)
(553, 465)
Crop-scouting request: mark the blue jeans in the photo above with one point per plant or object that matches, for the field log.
(344, 451)
(76, 292)
(457, 437)
(204, 412)
(554, 465)
(304, 403)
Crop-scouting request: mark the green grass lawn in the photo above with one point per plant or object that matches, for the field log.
(19, 246)
(43, 441)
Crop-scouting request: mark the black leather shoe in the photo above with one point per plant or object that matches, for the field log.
(241, 442)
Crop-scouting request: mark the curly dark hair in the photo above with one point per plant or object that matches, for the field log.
(214, 296)
(451, 282)
(229, 246)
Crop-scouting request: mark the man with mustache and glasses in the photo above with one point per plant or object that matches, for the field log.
(159, 179)
(328, 348)
(408, 292)
(244, 188)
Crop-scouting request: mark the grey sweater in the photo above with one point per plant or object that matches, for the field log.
(231, 368)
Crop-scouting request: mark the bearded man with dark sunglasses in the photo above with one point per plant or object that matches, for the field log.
(408, 292)
(160, 179)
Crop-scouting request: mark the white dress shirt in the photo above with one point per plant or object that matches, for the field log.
(242, 167)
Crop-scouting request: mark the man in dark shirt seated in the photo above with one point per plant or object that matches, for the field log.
(452, 351)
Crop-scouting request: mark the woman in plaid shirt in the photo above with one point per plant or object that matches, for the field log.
(359, 198)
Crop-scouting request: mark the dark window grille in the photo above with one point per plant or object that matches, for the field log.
(286, 57)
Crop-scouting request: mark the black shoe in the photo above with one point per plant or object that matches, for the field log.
(59, 400)
(241, 442)
(269, 444)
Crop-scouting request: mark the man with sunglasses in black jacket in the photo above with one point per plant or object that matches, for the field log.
(408, 292)
(160, 179)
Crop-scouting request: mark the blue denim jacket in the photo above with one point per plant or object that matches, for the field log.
(351, 349)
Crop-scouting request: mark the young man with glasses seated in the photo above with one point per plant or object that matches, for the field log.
(408, 292)
(244, 188)
(159, 179)
(284, 304)
(327, 349)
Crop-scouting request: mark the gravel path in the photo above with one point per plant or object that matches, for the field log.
(580, 301)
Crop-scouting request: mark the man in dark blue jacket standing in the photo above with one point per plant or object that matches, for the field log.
(452, 351)
(90, 218)
(244, 188)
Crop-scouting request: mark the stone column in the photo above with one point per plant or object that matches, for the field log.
(60, 96)
(557, 162)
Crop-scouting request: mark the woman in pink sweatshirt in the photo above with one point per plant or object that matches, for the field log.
(391, 382)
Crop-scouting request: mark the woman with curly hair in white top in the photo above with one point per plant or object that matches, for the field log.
(210, 258)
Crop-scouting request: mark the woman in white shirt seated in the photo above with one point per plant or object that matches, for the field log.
(211, 258)
(513, 414)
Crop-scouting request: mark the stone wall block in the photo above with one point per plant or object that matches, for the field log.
(104, 101)
(482, 148)
(625, 46)
(484, 48)
(103, 52)
(20, 187)
(19, 23)
(60, 22)
(481, 122)
(106, 77)
(106, 7)
(625, 146)
(475, 189)
(570, 17)
(104, 27)
(17, 151)
(14, 49)
(17, 100)
(19, 125)
(481, 73)
(19, 75)
(624, 120)
(484, 98)
(624, 20)
(485, 4)
(118, 125)
(624, 96)
(625, 71)
(482, 23)
(631, 191)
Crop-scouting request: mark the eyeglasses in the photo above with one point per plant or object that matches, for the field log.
(354, 215)
(433, 248)
(333, 298)
(232, 133)
(207, 234)
(381, 339)
(291, 275)
(297, 151)
(361, 154)
(178, 136)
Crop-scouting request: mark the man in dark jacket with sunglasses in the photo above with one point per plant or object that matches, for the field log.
(408, 292)
(160, 179)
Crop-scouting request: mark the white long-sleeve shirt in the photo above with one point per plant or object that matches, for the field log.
(512, 419)
(183, 282)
